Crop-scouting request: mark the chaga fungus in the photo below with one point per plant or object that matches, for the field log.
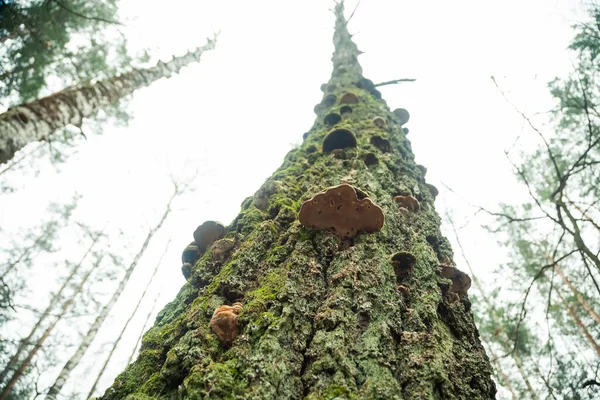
(329, 100)
(189, 257)
(461, 282)
(408, 202)
(371, 159)
(402, 114)
(345, 110)
(339, 208)
(338, 139)
(332, 119)
(349, 98)
(379, 122)
(403, 263)
(381, 143)
(224, 322)
(432, 189)
(221, 248)
(206, 234)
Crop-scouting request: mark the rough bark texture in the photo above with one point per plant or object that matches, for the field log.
(38, 119)
(322, 318)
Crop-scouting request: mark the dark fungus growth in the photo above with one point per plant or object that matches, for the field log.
(338, 139)
(329, 100)
(376, 93)
(402, 114)
(332, 119)
(461, 282)
(403, 263)
(305, 135)
(345, 110)
(189, 257)
(405, 130)
(366, 84)
(422, 169)
(371, 159)
(349, 98)
(433, 190)
(381, 143)
(311, 149)
(340, 209)
(324, 87)
(332, 87)
(206, 234)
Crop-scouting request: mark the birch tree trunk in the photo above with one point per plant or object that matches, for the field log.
(38, 119)
(322, 317)
(93, 330)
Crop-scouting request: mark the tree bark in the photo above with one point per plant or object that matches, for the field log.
(38, 119)
(322, 317)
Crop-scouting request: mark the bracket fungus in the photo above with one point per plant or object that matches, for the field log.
(434, 191)
(329, 100)
(379, 122)
(408, 202)
(189, 257)
(221, 248)
(332, 118)
(206, 234)
(405, 130)
(402, 114)
(349, 98)
(338, 139)
(261, 197)
(224, 322)
(422, 170)
(345, 110)
(340, 209)
(461, 282)
(403, 263)
(381, 143)
(371, 159)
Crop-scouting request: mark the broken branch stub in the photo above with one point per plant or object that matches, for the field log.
(206, 234)
(339, 208)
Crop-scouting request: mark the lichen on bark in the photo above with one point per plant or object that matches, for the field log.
(322, 317)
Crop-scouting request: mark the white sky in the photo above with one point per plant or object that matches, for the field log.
(240, 110)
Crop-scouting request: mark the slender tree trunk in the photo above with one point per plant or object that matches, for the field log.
(323, 317)
(93, 330)
(6, 391)
(53, 302)
(118, 340)
(579, 324)
(38, 119)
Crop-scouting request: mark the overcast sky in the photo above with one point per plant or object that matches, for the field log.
(237, 113)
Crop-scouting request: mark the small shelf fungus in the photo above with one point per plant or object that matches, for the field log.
(346, 110)
(403, 263)
(408, 202)
(338, 139)
(331, 87)
(261, 197)
(349, 98)
(402, 114)
(221, 248)
(432, 189)
(381, 143)
(461, 282)
(340, 209)
(405, 130)
(371, 159)
(332, 119)
(189, 258)
(224, 322)
(206, 234)
(422, 170)
(379, 122)
(329, 100)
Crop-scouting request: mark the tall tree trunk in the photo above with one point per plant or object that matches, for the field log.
(38, 119)
(137, 306)
(53, 302)
(322, 317)
(6, 391)
(93, 330)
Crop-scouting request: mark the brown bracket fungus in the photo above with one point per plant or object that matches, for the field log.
(379, 122)
(339, 208)
(206, 234)
(381, 143)
(338, 139)
(461, 282)
(371, 159)
(404, 211)
(224, 322)
(403, 263)
(433, 190)
(332, 118)
(189, 257)
(329, 100)
(345, 110)
(349, 98)
(402, 114)
(221, 248)
(408, 202)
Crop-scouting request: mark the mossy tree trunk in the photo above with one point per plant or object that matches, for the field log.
(322, 318)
